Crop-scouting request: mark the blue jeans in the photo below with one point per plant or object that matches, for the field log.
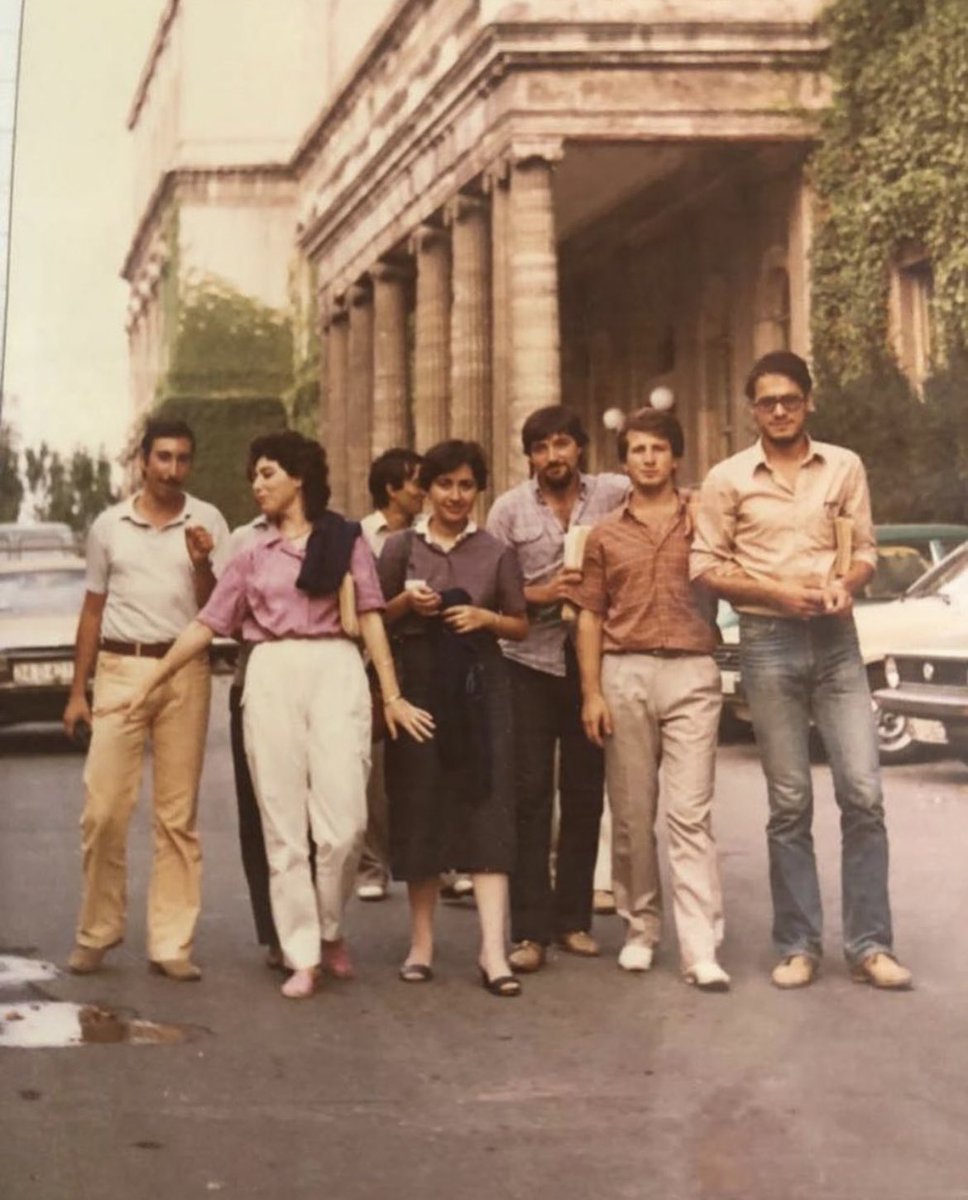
(793, 671)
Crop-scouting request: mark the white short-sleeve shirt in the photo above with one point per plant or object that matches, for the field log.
(145, 572)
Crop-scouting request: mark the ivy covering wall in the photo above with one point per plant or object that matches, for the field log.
(892, 170)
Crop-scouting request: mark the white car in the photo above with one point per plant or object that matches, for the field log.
(938, 600)
(40, 598)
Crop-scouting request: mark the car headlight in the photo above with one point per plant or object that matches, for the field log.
(891, 674)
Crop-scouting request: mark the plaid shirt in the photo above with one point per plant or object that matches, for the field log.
(520, 518)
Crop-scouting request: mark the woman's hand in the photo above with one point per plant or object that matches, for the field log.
(401, 714)
(467, 618)
(130, 706)
(423, 600)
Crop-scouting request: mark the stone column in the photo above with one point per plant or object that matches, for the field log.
(799, 242)
(359, 419)
(503, 453)
(470, 330)
(432, 336)
(391, 426)
(336, 358)
(534, 362)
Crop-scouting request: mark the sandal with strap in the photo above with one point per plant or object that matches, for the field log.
(414, 972)
(504, 986)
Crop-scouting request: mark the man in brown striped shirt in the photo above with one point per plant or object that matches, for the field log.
(651, 693)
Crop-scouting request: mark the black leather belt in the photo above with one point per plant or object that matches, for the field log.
(137, 649)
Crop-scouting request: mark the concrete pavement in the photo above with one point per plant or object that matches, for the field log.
(594, 1084)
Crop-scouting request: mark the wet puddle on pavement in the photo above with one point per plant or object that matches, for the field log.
(43, 1022)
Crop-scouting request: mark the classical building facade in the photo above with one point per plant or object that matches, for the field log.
(510, 203)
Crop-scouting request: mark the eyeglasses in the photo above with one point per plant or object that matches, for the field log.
(789, 403)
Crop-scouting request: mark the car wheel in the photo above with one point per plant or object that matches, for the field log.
(894, 741)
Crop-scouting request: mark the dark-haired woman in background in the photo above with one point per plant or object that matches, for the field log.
(306, 704)
(452, 590)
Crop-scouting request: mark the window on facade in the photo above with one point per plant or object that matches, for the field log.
(912, 291)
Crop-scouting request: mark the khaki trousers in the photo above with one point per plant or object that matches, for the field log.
(665, 717)
(306, 715)
(176, 720)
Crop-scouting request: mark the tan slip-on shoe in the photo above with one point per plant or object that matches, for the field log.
(579, 942)
(182, 970)
(794, 971)
(882, 970)
(526, 957)
(85, 960)
(603, 902)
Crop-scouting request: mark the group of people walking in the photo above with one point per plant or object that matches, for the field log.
(508, 668)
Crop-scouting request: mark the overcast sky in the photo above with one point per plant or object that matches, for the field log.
(66, 354)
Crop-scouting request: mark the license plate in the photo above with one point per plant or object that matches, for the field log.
(43, 674)
(923, 730)
(729, 681)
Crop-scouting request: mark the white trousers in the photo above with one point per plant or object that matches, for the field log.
(306, 716)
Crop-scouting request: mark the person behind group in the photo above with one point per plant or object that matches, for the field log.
(533, 518)
(452, 590)
(149, 569)
(651, 693)
(397, 499)
(773, 522)
(306, 705)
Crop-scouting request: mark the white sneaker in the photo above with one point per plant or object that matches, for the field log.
(635, 957)
(708, 977)
(372, 891)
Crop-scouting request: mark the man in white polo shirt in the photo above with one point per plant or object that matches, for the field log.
(149, 570)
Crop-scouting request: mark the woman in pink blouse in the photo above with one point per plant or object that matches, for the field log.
(306, 703)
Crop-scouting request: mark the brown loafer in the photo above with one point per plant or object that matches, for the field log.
(603, 902)
(85, 960)
(579, 942)
(182, 970)
(794, 971)
(526, 956)
(882, 970)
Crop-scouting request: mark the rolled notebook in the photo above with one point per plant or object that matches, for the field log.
(844, 542)
(575, 540)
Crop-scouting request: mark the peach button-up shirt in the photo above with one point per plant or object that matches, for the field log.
(752, 520)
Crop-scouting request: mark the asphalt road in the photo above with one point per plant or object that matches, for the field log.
(593, 1084)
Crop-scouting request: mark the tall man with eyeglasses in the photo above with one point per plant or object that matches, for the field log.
(770, 523)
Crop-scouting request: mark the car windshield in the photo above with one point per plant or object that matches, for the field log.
(948, 578)
(53, 592)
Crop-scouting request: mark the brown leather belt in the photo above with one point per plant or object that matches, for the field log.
(137, 649)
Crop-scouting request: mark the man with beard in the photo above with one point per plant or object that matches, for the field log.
(770, 539)
(534, 518)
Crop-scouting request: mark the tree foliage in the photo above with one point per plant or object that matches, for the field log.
(891, 171)
(11, 485)
(72, 489)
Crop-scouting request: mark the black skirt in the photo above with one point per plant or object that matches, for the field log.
(440, 817)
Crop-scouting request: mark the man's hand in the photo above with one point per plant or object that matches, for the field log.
(77, 710)
(837, 599)
(200, 544)
(799, 600)
(554, 590)
(596, 719)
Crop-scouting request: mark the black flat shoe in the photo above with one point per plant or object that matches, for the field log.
(415, 973)
(505, 986)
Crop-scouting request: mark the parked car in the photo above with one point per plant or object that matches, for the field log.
(40, 598)
(928, 688)
(884, 624)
